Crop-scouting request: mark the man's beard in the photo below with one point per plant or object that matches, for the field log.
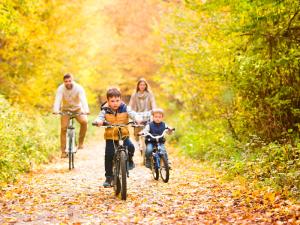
(69, 86)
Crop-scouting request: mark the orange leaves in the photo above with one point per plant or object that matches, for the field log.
(194, 195)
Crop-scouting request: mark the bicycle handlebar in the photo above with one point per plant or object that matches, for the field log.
(159, 136)
(108, 125)
(69, 113)
(143, 124)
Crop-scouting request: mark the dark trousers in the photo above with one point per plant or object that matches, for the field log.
(110, 152)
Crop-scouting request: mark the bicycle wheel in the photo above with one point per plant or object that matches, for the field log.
(116, 172)
(143, 147)
(123, 171)
(154, 169)
(73, 156)
(70, 154)
(164, 168)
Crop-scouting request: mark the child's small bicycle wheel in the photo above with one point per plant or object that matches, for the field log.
(154, 169)
(164, 169)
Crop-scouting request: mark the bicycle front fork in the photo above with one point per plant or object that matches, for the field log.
(156, 158)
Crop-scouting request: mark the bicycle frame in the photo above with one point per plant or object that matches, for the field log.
(156, 154)
(71, 136)
(120, 159)
(119, 148)
(157, 157)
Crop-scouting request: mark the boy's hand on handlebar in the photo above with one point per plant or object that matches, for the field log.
(98, 123)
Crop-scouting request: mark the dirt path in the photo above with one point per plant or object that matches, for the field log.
(194, 195)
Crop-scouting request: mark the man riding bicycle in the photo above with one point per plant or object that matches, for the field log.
(70, 97)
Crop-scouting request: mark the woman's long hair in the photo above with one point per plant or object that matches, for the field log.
(147, 85)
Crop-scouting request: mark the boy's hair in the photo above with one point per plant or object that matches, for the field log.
(67, 76)
(113, 92)
(157, 110)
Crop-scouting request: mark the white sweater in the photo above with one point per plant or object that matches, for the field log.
(70, 99)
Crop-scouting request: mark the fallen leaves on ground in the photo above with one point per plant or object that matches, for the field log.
(194, 195)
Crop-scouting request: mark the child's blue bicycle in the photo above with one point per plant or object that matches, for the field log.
(159, 160)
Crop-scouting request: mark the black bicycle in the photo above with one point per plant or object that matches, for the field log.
(159, 161)
(71, 137)
(120, 162)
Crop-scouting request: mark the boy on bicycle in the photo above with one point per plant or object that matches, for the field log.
(115, 112)
(156, 128)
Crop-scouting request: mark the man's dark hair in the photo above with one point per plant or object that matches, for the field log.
(113, 92)
(67, 76)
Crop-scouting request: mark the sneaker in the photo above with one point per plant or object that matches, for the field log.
(107, 182)
(80, 147)
(63, 155)
(148, 163)
(131, 164)
(169, 164)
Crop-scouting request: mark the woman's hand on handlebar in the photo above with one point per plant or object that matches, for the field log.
(139, 122)
(141, 133)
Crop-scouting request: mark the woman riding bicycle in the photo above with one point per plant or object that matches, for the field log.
(142, 101)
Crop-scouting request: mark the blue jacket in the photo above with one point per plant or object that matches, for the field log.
(156, 129)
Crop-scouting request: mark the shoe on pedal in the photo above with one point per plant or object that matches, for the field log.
(148, 163)
(169, 165)
(63, 155)
(107, 182)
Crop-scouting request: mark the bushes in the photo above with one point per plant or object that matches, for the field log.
(273, 165)
(270, 164)
(24, 140)
(207, 141)
(237, 62)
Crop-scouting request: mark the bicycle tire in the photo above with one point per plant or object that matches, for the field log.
(154, 169)
(70, 153)
(164, 168)
(116, 173)
(73, 156)
(123, 171)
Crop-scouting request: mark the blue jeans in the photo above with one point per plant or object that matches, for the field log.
(149, 150)
(110, 152)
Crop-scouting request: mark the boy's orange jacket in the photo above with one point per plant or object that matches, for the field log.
(119, 117)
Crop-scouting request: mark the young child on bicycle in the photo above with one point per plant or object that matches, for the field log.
(115, 112)
(156, 128)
